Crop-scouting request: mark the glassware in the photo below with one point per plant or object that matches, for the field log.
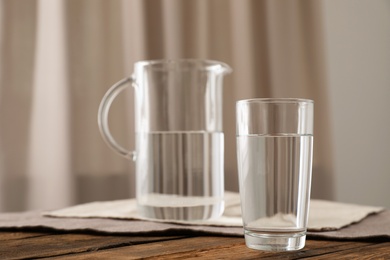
(274, 151)
(179, 139)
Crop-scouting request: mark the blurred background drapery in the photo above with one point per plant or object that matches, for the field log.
(58, 58)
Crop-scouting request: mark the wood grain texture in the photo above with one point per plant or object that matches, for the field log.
(28, 245)
(371, 251)
(215, 248)
(49, 245)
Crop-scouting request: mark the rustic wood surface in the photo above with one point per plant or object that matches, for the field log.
(47, 244)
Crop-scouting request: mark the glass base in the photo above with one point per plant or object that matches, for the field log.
(195, 213)
(275, 241)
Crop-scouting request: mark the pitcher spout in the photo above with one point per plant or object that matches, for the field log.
(225, 69)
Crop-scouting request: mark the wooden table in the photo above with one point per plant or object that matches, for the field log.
(32, 245)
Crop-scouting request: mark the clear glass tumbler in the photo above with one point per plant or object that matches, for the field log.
(274, 151)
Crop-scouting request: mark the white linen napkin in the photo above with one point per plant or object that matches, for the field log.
(323, 216)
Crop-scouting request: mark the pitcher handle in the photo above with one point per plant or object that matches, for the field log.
(104, 108)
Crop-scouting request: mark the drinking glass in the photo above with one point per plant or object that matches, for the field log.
(274, 152)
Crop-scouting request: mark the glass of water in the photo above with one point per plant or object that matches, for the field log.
(274, 151)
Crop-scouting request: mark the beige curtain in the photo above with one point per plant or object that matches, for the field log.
(59, 57)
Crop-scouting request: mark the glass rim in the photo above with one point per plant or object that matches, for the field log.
(276, 100)
(209, 65)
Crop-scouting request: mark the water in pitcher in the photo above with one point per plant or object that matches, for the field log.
(275, 172)
(181, 175)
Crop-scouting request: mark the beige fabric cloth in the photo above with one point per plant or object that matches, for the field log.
(327, 220)
(324, 215)
(374, 226)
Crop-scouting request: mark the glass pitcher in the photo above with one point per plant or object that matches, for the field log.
(179, 151)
